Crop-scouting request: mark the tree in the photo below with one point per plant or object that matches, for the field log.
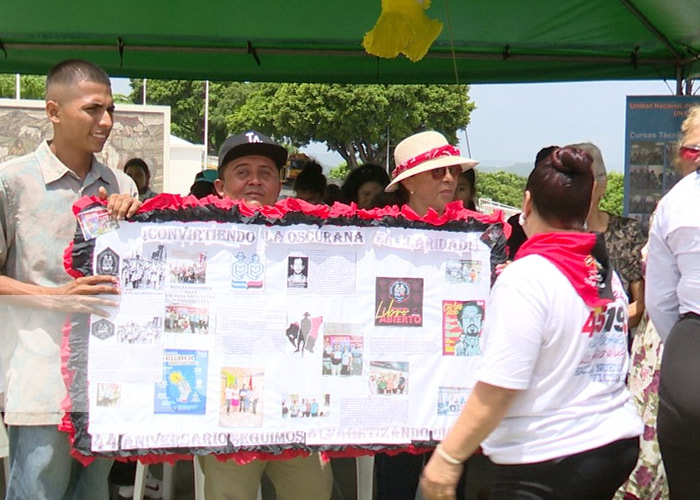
(507, 188)
(30, 86)
(501, 187)
(354, 120)
(614, 194)
(340, 172)
(186, 101)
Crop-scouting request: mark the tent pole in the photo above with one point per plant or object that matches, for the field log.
(18, 92)
(679, 80)
(206, 124)
(388, 149)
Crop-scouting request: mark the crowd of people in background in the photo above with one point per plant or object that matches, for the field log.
(571, 274)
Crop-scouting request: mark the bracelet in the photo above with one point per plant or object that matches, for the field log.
(446, 456)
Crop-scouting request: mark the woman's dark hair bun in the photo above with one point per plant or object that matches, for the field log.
(571, 160)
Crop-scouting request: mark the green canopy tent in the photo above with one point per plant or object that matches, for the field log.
(483, 41)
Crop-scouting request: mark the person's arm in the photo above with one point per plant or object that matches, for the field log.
(636, 307)
(75, 296)
(636, 276)
(484, 410)
(662, 273)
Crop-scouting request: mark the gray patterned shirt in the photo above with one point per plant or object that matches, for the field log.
(37, 193)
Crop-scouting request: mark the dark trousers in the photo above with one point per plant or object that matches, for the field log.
(398, 475)
(592, 475)
(678, 420)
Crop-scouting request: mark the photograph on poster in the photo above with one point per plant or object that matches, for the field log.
(461, 327)
(140, 330)
(183, 389)
(306, 405)
(646, 153)
(343, 345)
(108, 394)
(247, 271)
(297, 272)
(96, 222)
(644, 204)
(186, 268)
(389, 378)
(399, 302)
(186, 319)
(646, 177)
(147, 272)
(462, 271)
(303, 331)
(451, 400)
(241, 397)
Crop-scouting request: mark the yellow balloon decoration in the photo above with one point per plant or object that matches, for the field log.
(402, 28)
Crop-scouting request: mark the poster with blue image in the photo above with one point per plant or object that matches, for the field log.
(183, 389)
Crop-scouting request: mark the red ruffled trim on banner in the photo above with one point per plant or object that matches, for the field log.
(66, 424)
(68, 262)
(454, 211)
(85, 202)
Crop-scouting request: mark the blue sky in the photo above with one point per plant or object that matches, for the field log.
(512, 122)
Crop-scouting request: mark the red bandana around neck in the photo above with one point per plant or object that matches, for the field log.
(581, 257)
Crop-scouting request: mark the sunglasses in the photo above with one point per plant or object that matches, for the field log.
(689, 153)
(439, 173)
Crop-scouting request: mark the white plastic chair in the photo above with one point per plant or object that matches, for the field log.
(168, 481)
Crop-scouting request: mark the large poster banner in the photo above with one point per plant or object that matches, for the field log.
(291, 328)
(653, 129)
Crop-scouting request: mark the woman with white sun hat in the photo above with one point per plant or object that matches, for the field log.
(427, 168)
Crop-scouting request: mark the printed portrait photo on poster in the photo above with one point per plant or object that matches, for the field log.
(297, 272)
(461, 327)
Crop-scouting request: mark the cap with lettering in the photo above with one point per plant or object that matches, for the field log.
(251, 143)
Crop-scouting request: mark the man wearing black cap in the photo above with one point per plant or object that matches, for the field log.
(249, 165)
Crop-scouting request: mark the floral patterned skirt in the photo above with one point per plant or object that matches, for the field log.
(648, 479)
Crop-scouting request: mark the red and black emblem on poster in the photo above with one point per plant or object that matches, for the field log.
(399, 302)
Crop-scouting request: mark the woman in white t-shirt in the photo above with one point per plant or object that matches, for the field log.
(550, 407)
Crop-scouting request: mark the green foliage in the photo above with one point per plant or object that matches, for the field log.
(507, 188)
(353, 120)
(30, 86)
(614, 194)
(501, 187)
(340, 172)
(122, 99)
(186, 101)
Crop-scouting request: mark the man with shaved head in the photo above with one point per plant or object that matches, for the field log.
(37, 193)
